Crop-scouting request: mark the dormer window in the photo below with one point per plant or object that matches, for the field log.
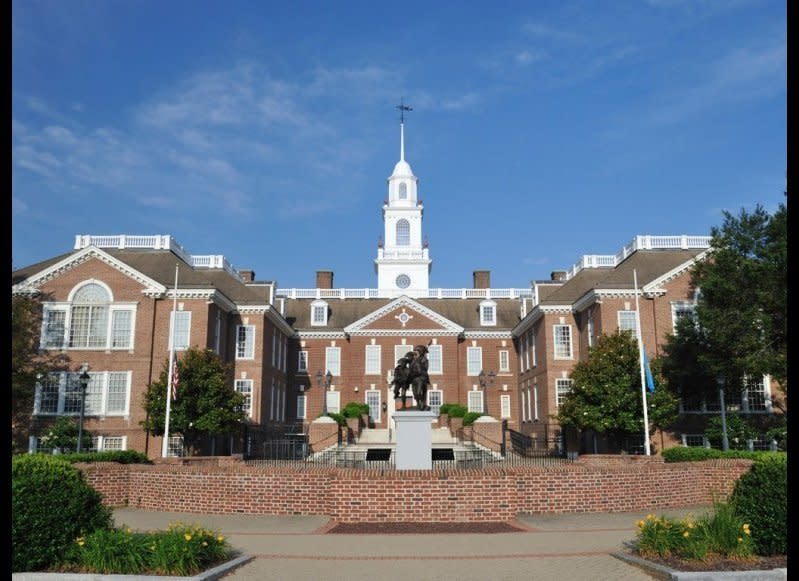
(403, 191)
(319, 313)
(488, 313)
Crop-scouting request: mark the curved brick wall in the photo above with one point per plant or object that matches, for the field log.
(350, 495)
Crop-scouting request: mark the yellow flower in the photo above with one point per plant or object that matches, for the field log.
(80, 541)
(685, 534)
(187, 536)
(747, 531)
(205, 544)
(691, 525)
(220, 538)
(640, 523)
(740, 540)
(128, 531)
(650, 516)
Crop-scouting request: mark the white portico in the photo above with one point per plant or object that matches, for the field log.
(403, 264)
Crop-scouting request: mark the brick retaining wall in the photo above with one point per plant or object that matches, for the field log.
(350, 495)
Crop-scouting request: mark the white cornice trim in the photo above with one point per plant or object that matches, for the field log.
(403, 301)
(586, 300)
(478, 334)
(528, 321)
(32, 283)
(320, 335)
(270, 313)
(404, 332)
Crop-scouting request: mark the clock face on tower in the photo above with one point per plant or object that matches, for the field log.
(403, 281)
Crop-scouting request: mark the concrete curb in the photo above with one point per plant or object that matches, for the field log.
(665, 573)
(210, 575)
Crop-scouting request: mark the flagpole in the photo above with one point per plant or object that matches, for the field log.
(165, 445)
(641, 363)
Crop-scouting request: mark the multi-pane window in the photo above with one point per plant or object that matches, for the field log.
(175, 447)
(755, 392)
(373, 401)
(89, 321)
(504, 361)
(403, 233)
(523, 406)
(532, 347)
(526, 344)
(695, 440)
(488, 313)
(435, 397)
(403, 191)
(753, 398)
(589, 328)
(181, 321)
(111, 443)
(534, 411)
(121, 329)
(302, 362)
(475, 401)
(333, 401)
(401, 350)
(563, 388)
(563, 341)
(372, 360)
(680, 310)
(504, 406)
(244, 387)
(245, 341)
(54, 328)
(435, 359)
(474, 360)
(319, 313)
(107, 393)
(628, 322)
(333, 360)
(302, 402)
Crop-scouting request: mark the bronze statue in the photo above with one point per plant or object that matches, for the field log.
(418, 377)
(401, 380)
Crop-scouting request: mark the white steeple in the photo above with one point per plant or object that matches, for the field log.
(402, 264)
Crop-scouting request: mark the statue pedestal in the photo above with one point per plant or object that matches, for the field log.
(414, 440)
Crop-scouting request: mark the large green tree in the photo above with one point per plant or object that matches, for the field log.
(205, 405)
(741, 313)
(606, 391)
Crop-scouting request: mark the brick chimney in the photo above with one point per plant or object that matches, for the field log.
(247, 275)
(558, 275)
(324, 279)
(482, 279)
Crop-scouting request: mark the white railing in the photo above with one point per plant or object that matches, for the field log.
(403, 254)
(433, 293)
(641, 242)
(157, 242)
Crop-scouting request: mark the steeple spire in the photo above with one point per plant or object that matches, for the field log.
(402, 107)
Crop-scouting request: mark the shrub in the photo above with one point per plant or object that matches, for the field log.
(469, 417)
(457, 410)
(352, 410)
(51, 506)
(738, 431)
(686, 454)
(444, 409)
(63, 436)
(340, 419)
(118, 456)
(760, 497)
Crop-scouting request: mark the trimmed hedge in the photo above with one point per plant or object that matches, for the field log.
(469, 417)
(457, 410)
(51, 506)
(760, 497)
(444, 409)
(340, 419)
(686, 454)
(119, 456)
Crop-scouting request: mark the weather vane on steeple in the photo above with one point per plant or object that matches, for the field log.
(402, 107)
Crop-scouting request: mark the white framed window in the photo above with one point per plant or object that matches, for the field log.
(695, 440)
(319, 313)
(680, 310)
(474, 360)
(504, 361)
(520, 348)
(403, 232)
(756, 395)
(403, 191)
(84, 324)
(272, 401)
(333, 360)
(754, 398)
(372, 366)
(245, 341)
(112, 443)
(181, 321)
(217, 331)
(535, 403)
(488, 313)
(274, 348)
(589, 328)
(121, 328)
(504, 406)
(107, 394)
(475, 402)
(244, 387)
(523, 404)
(435, 360)
(302, 362)
(532, 347)
(372, 399)
(89, 316)
(563, 388)
(563, 341)
(174, 448)
(628, 322)
(435, 397)
(333, 401)
(302, 407)
(284, 365)
(54, 325)
(526, 348)
(400, 351)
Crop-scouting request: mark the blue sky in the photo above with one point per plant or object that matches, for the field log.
(265, 131)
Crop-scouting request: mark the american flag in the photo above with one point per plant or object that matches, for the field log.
(175, 379)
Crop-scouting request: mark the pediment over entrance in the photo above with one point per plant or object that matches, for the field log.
(402, 316)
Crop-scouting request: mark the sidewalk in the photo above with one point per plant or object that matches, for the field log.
(572, 547)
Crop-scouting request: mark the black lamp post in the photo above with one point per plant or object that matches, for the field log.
(485, 382)
(327, 378)
(725, 442)
(84, 379)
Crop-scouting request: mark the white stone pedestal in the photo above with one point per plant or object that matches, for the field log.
(414, 440)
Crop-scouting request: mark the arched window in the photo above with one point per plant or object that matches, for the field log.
(403, 233)
(403, 191)
(89, 318)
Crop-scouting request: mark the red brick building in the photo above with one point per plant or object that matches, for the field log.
(505, 352)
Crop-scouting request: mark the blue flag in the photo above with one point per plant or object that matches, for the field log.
(650, 382)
